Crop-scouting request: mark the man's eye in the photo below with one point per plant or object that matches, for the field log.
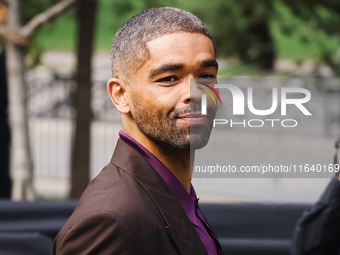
(207, 76)
(168, 79)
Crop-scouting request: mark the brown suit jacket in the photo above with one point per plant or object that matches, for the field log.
(128, 209)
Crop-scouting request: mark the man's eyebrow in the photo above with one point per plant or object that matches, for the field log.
(209, 63)
(163, 69)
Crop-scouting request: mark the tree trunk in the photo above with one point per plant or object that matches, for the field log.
(266, 56)
(82, 98)
(259, 47)
(21, 161)
(16, 36)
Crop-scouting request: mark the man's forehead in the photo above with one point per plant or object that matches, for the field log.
(172, 48)
(178, 39)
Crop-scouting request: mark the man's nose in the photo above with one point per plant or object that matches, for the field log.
(191, 92)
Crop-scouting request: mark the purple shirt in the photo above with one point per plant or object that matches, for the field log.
(188, 201)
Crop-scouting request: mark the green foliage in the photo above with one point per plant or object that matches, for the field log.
(112, 14)
(316, 24)
(30, 8)
(246, 30)
(60, 35)
(34, 52)
(298, 39)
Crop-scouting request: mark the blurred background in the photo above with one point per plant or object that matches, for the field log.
(55, 61)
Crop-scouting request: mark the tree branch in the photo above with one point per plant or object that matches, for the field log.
(8, 34)
(50, 14)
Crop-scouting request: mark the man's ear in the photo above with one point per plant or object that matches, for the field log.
(118, 96)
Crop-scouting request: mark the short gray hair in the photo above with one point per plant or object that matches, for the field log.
(129, 51)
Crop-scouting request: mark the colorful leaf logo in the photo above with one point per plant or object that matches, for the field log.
(209, 93)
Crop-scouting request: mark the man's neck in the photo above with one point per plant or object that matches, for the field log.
(179, 162)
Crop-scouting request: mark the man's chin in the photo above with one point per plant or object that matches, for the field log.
(198, 141)
(199, 136)
(189, 142)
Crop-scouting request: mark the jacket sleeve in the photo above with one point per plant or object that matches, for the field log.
(100, 233)
(318, 231)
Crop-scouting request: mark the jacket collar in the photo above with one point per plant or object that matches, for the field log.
(179, 225)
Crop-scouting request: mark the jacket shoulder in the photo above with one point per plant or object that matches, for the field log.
(113, 209)
(97, 233)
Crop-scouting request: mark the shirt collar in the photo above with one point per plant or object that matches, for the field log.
(188, 201)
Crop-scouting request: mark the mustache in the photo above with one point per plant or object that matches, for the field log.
(191, 108)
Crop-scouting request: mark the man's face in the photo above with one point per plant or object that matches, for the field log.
(164, 107)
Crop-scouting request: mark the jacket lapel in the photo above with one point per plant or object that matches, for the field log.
(179, 227)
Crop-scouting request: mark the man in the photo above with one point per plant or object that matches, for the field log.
(318, 231)
(143, 201)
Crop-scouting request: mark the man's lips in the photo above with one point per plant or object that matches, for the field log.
(193, 118)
